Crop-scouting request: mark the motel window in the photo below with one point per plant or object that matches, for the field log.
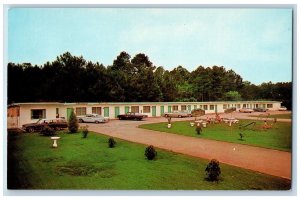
(269, 105)
(38, 113)
(201, 106)
(81, 111)
(205, 107)
(175, 108)
(238, 105)
(146, 109)
(183, 107)
(211, 107)
(135, 109)
(244, 105)
(224, 106)
(96, 110)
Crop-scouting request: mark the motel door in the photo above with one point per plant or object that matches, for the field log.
(153, 111)
(69, 111)
(126, 109)
(162, 110)
(169, 109)
(117, 111)
(106, 111)
(189, 107)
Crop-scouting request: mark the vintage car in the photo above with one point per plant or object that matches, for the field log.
(246, 110)
(131, 116)
(260, 109)
(56, 124)
(92, 118)
(282, 108)
(182, 113)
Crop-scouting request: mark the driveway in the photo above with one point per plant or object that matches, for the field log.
(273, 162)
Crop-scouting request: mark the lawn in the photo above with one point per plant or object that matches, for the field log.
(88, 163)
(278, 137)
(282, 116)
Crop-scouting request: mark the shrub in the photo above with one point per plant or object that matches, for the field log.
(73, 123)
(47, 131)
(241, 136)
(169, 120)
(198, 129)
(150, 152)
(85, 132)
(213, 170)
(111, 142)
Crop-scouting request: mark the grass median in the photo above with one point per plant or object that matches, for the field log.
(278, 136)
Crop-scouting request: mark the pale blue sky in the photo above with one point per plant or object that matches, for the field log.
(255, 43)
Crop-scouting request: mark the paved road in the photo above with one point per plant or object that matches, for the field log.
(273, 162)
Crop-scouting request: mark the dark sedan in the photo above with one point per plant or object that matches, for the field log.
(56, 124)
(131, 116)
(260, 109)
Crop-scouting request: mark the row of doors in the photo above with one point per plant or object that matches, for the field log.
(127, 108)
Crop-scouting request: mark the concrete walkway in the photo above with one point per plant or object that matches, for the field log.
(273, 162)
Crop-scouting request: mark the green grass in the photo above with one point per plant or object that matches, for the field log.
(282, 116)
(88, 163)
(278, 137)
(278, 116)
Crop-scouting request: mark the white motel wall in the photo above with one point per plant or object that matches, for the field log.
(31, 112)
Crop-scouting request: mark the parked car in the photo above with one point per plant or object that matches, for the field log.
(246, 110)
(282, 108)
(260, 109)
(131, 116)
(92, 118)
(182, 113)
(56, 124)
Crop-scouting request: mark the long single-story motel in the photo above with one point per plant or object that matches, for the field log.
(22, 113)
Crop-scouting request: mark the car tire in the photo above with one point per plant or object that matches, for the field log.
(80, 121)
(97, 122)
(179, 116)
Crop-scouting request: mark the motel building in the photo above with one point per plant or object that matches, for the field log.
(22, 113)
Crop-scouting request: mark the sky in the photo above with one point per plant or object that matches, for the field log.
(255, 43)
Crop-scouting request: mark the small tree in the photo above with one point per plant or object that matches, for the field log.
(150, 152)
(169, 120)
(213, 170)
(73, 123)
(85, 132)
(241, 136)
(111, 142)
(198, 129)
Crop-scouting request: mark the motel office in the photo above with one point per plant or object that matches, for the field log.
(22, 113)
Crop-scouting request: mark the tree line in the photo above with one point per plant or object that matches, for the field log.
(73, 79)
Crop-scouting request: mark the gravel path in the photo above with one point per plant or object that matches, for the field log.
(268, 161)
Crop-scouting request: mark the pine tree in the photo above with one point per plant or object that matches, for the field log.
(73, 123)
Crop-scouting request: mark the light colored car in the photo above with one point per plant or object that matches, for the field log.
(282, 108)
(176, 113)
(246, 110)
(91, 118)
